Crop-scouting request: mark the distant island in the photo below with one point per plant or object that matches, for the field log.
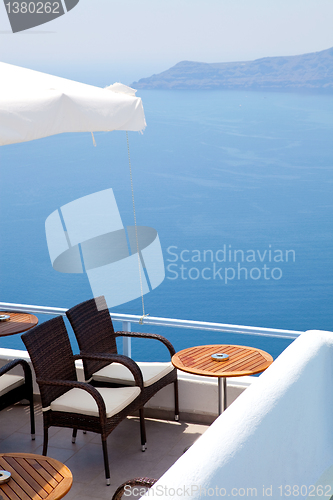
(312, 71)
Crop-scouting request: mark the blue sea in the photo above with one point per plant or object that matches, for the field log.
(238, 185)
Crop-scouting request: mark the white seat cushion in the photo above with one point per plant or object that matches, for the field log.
(80, 401)
(10, 382)
(119, 374)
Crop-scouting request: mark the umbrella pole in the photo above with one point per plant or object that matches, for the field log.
(136, 230)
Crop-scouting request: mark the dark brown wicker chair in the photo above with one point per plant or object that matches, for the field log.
(14, 388)
(95, 334)
(78, 405)
(144, 483)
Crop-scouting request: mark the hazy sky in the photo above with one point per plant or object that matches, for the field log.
(135, 38)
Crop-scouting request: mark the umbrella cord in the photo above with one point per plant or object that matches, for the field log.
(136, 231)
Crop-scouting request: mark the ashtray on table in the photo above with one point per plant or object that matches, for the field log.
(220, 356)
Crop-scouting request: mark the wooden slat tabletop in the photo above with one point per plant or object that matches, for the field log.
(242, 360)
(34, 477)
(17, 323)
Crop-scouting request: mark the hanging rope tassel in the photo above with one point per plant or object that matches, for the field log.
(136, 232)
(142, 318)
(93, 138)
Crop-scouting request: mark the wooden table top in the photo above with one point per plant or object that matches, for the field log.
(34, 477)
(242, 360)
(18, 323)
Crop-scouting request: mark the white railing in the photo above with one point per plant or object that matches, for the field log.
(128, 319)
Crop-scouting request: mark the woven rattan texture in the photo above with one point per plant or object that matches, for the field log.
(51, 355)
(54, 363)
(94, 331)
(24, 391)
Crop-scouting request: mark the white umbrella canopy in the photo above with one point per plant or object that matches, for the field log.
(35, 105)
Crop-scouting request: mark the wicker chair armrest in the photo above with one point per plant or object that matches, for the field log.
(144, 482)
(153, 336)
(71, 384)
(16, 362)
(116, 358)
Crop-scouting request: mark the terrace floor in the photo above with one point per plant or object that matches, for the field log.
(166, 442)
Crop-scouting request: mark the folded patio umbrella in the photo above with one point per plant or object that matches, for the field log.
(35, 105)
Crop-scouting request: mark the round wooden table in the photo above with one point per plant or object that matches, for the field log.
(242, 361)
(17, 323)
(34, 477)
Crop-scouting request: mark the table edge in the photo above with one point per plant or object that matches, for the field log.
(268, 357)
(22, 331)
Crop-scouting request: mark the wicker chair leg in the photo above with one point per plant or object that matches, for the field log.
(32, 417)
(176, 400)
(106, 461)
(74, 435)
(46, 439)
(143, 430)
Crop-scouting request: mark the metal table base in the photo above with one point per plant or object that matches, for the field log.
(222, 399)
